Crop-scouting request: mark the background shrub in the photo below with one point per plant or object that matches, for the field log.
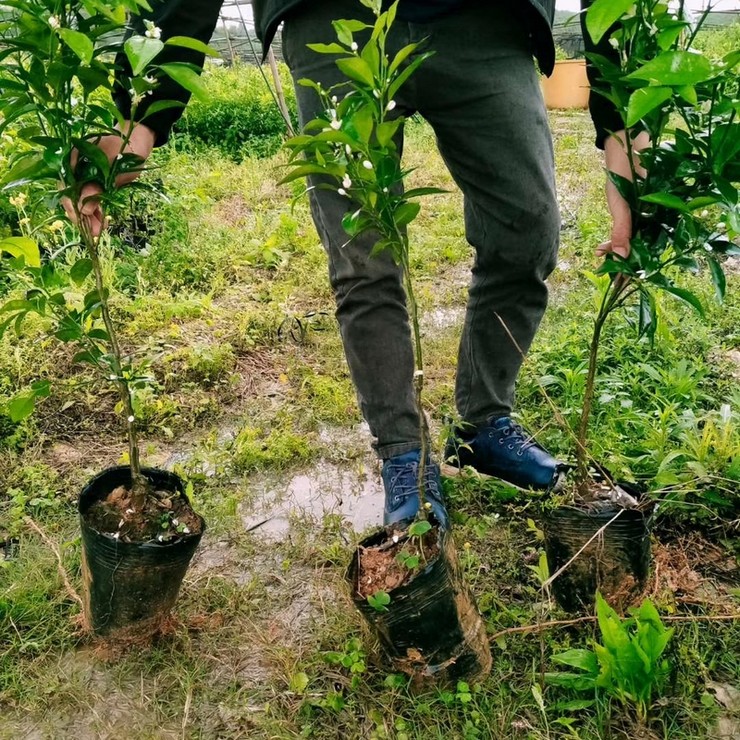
(241, 118)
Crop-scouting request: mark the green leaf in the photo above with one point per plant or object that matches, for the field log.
(186, 42)
(22, 246)
(679, 68)
(406, 213)
(718, 278)
(685, 295)
(357, 69)
(401, 57)
(386, 131)
(345, 28)
(398, 83)
(299, 682)
(303, 170)
(417, 192)
(418, 529)
(645, 100)
(603, 14)
(362, 123)
(80, 270)
(666, 199)
(21, 407)
(585, 660)
(79, 43)
(326, 49)
(140, 51)
(379, 601)
(159, 105)
(187, 77)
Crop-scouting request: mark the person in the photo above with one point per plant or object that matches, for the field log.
(480, 93)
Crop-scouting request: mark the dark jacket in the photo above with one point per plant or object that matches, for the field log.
(198, 18)
(269, 13)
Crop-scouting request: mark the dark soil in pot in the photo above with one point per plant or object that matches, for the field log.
(616, 561)
(431, 630)
(133, 564)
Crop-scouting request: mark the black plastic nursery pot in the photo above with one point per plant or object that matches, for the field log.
(616, 562)
(131, 585)
(432, 630)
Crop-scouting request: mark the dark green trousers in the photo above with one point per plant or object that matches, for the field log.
(480, 93)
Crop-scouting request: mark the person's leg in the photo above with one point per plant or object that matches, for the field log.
(371, 305)
(480, 92)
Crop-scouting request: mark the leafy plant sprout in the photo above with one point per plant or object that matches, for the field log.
(682, 192)
(352, 149)
(57, 75)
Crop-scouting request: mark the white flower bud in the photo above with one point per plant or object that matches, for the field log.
(391, 105)
(336, 125)
(367, 164)
(54, 22)
(342, 191)
(346, 182)
(354, 46)
(152, 31)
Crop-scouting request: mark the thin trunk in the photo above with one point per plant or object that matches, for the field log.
(138, 482)
(418, 381)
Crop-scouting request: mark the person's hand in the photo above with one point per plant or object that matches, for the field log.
(617, 161)
(141, 143)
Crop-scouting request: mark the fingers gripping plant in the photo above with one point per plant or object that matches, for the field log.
(58, 70)
(352, 149)
(682, 192)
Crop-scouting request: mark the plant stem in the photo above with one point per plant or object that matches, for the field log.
(413, 310)
(608, 304)
(138, 483)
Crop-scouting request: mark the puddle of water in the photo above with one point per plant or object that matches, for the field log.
(354, 492)
(442, 318)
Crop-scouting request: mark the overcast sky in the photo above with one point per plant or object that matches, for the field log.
(693, 4)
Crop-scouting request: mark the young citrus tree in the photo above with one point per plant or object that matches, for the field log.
(352, 149)
(683, 188)
(56, 82)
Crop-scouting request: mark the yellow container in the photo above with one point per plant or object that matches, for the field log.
(568, 86)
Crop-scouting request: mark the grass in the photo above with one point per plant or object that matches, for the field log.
(227, 290)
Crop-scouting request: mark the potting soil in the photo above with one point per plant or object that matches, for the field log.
(380, 569)
(166, 516)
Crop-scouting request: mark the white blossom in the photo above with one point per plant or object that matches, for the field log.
(152, 31)
(367, 164)
(54, 22)
(721, 227)
(336, 125)
(354, 46)
(641, 274)
(130, 419)
(348, 149)
(347, 182)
